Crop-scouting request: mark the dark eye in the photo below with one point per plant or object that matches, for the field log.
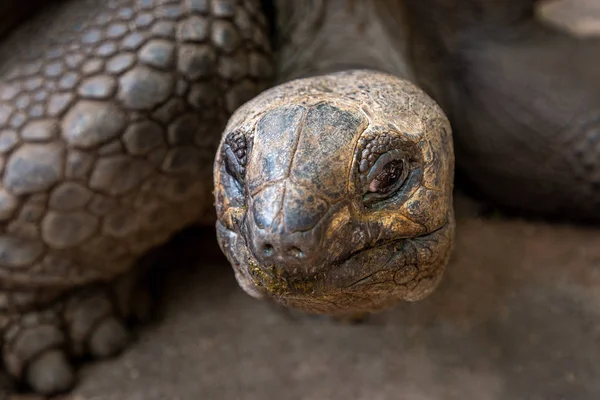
(235, 155)
(387, 175)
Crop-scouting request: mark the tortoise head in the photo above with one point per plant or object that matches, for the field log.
(333, 193)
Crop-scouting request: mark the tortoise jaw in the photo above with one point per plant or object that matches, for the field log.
(371, 279)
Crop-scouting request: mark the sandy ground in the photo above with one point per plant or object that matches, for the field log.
(516, 317)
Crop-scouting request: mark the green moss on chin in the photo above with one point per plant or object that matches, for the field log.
(275, 281)
(269, 278)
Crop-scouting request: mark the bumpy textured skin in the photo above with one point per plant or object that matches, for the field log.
(110, 115)
(291, 176)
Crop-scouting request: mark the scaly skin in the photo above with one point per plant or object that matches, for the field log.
(297, 217)
(110, 114)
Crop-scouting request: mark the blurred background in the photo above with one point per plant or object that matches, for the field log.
(516, 317)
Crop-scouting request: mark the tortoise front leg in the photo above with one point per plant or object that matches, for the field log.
(110, 114)
(39, 345)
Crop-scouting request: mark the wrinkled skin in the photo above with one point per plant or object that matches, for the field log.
(297, 216)
(111, 113)
(523, 98)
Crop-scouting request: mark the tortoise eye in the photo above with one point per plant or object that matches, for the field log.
(387, 175)
(233, 165)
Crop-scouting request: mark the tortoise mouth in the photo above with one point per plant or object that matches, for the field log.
(367, 280)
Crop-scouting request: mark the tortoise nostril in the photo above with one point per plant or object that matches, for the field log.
(296, 252)
(272, 249)
(268, 250)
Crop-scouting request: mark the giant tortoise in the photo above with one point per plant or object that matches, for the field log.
(333, 189)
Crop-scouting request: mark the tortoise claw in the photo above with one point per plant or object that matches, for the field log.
(51, 373)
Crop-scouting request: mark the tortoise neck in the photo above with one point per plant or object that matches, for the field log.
(323, 36)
